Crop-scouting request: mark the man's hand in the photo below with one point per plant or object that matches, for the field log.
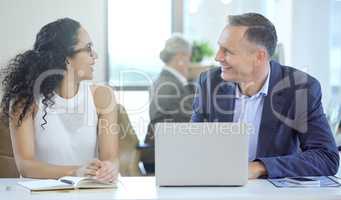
(256, 169)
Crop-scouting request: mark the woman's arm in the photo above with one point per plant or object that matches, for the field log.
(23, 143)
(108, 132)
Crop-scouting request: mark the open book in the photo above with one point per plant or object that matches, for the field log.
(65, 182)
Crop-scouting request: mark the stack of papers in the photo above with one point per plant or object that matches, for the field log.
(324, 181)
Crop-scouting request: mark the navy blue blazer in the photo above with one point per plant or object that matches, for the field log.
(294, 136)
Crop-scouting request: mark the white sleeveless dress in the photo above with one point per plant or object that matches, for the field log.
(70, 135)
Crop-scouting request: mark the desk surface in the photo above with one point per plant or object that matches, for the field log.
(144, 188)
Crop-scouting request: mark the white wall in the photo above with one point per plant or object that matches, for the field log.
(211, 17)
(310, 40)
(305, 33)
(302, 27)
(275, 11)
(20, 21)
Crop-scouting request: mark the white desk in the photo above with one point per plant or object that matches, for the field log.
(144, 188)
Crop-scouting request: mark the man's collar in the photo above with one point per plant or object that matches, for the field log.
(265, 88)
(263, 91)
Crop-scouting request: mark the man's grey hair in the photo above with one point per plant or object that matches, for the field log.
(260, 30)
(175, 44)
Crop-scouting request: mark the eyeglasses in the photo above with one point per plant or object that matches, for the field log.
(89, 48)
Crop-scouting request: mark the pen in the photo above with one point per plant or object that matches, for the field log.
(67, 181)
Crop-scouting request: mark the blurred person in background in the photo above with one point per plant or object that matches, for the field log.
(171, 94)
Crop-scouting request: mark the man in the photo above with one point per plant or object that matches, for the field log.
(171, 94)
(290, 136)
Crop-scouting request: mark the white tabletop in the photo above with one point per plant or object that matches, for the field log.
(144, 188)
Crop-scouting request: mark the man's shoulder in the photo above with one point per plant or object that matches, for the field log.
(213, 74)
(279, 73)
(296, 76)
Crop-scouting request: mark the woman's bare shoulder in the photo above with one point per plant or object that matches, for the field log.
(104, 96)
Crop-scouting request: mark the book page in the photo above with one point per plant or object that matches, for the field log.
(86, 182)
(74, 180)
(48, 184)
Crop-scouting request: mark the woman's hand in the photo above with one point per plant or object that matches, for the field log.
(108, 171)
(89, 169)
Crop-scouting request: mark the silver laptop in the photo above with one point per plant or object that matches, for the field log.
(201, 154)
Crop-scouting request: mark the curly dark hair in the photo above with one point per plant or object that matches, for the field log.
(54, 43)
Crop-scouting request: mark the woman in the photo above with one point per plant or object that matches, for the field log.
(59, 124)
